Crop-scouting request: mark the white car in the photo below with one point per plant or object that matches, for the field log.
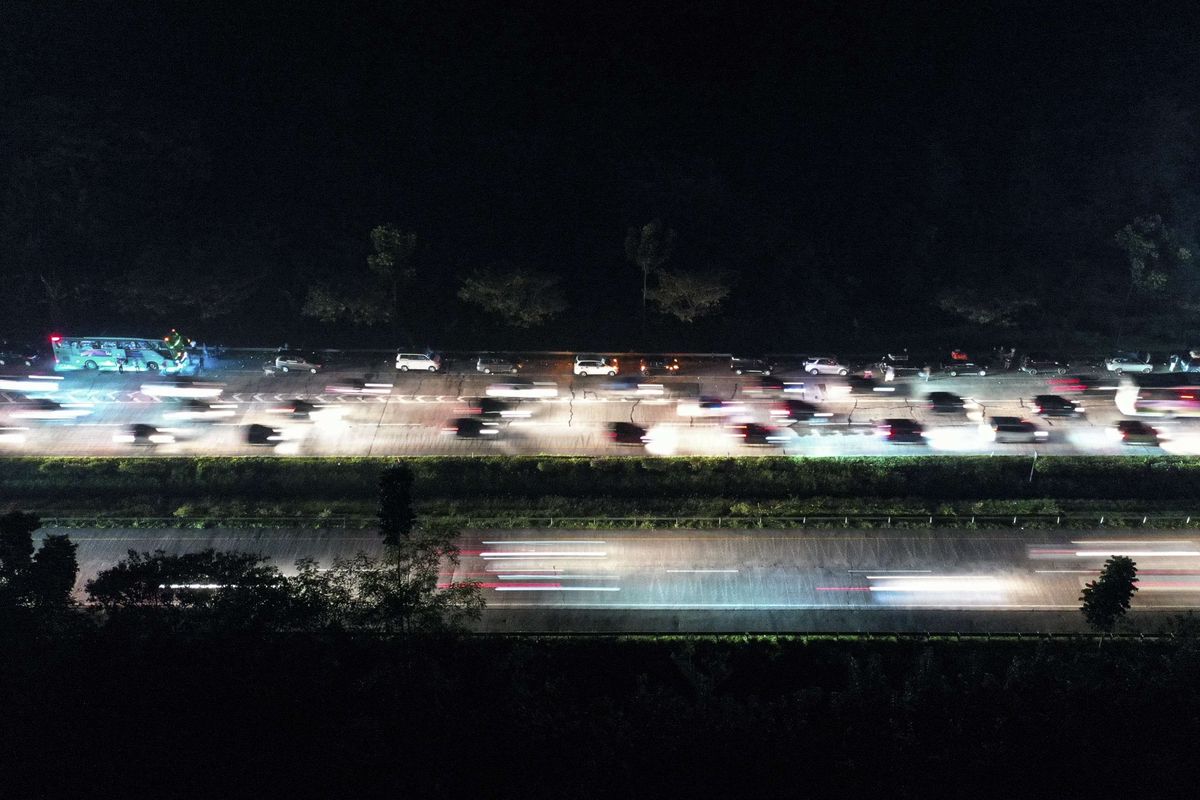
(1121, 364)
(825, 366)
(421, 362)
(523, 390)
(183, 387)
(598, 366)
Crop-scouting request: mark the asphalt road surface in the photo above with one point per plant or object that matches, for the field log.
(408, 413)
(786, 580)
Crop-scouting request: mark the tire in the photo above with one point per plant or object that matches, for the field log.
(433, 369)
(612, 373)
(487, 372)
(404, 367)
(1119, 371)
(285, 369)
(583, 373)
(313, 370)
(89, 364)
(1062, 370)
(737, 372)
(812, 372)
(983, 373)
(152, 366)
(1031, 371)
(843, 372)
(953, 373)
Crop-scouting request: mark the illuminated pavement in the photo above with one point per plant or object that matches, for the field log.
(829, 580)
(409, 415)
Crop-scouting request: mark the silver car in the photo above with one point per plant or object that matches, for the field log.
(494, 364)
(825, 366)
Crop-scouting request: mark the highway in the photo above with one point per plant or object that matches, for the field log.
(406, 413)
(783, 580)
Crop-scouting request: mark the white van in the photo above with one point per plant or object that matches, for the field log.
(423, 362)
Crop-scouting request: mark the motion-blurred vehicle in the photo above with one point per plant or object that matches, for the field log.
(44, 409)
(31, 384)
(193, 410)
(492, 364)
(418, 362)
(659, 366)
(262, 435)
(791, 412)
(861, 385)
(492, 407)
(956, 368)
(594, 366)
(143, 435)
(759, 435)
(1034, 364)
(709, 407)
(10, 435)
(1013, 430)
(471, 427)
(1136, 432)
(946, 403)
(1053, 405)
(523, 389)
(297, 361)
(626, 433)
(295, 409)
(182, 387)
(1081, 384)
(18, 354)
(826, 365)
(1127, 363)
(747, 365)
(631, 387)
(359, 387)
(900, 431)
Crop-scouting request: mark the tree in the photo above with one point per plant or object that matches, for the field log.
(329, 305)
(191, 580)
(16, 555)
(392, 260)
(649, 247)
(44, 578)
(522, 297)
(396, 515)
(689, 295)
(52, 576)
(998, 310)
(1106, 599)
(1156, 256)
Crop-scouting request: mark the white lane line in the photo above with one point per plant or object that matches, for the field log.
(546, 541)
(899, 571)
(535, 554)
(558, 588)
(554, 577)
(702, 570)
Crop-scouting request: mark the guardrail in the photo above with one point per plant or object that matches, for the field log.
(1121, 520)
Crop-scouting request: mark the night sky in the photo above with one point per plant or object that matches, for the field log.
(845, 165)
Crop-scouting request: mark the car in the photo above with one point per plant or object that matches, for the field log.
(659, 366)
(523, 389)
(900, 431)
(1013, 430)
(1081, 384)
(491, 364)
(1127, 363)
(296, 409)
(143, 435)
(31, 384)
(296, 361)
(630, 388)
(357, 386)
(182, 387)
(42, 408)
(1053, 405)
(862, 385)
(419, 362)
(706, 406)
(596, 366)
(471, 427)
(767, 385)
(262, 435)
(956, 368)
(746, 365)
(1136, 432)
(946, 403)
(826, 365)
(15, 354)
(792, 411)
(1033, 364)
(193, 410)
(756, 434)
(626, 433)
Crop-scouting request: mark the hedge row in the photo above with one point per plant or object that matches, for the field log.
(935, 478)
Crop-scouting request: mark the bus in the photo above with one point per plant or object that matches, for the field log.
(1159, 395)
(115, 354)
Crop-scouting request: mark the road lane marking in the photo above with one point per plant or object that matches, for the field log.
(702, 570)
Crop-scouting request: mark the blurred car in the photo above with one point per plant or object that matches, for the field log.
(296, 409)
(956, 368)
(758, 435)
(143, 435)
(1034, 364)
(262, 435)
(418, 362)
(1136, 432)
(709, 407)
(18, 354)
(594, 366)
(45, 409)
(31, 384)
(900, 431)
(793, 411)
(490, 364)
(523, 389)
(825, 366)
(626, 433)
(357, 386)
(1080, 384)
(471, 427)
(296, 361)
(659, 366)
(1013, 430)
(1053, 405)
(1127, 363)
(487, 407)
(743, 365)
(631, 387)
(10, 435)
(861, 385)
(193, 410)
(182, 387)
(946, 403)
